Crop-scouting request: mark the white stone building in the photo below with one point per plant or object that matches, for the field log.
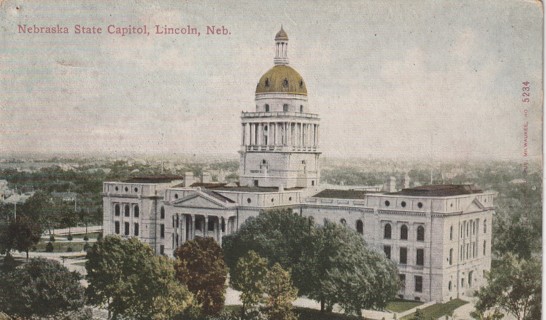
(439, 235)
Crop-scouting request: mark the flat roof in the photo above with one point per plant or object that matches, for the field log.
(440, 190)
(342, 194)
(153, 179)
(251, 189)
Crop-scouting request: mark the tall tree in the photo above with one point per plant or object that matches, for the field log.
(21, 234)
(249, 278)
(127, 278)
(202, 269)
(280, 294)
(278, 235)
(41, 288)
(514, 286)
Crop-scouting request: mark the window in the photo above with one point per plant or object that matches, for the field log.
(451, 233)
(470, 279)
(450, 256)
(301, 108)
(312, 182)
(462, 282)
(285, 83)
(285, 108)
(135, 228)
(387, 231)
(449, 286)
(162, 230)
(403, 255)
(404, 232)
(127, 210)
(420, 258)
(420, 233)
(402, 278)
(117, 210)
(161, 249)
(387, 250)
(387, 203)
(484, 226)
(403, 204)
(484, 246)
(359, 226)
(116, 224)
(266, 108)
(126, 228)
(211, 226)
(420, 205)
(267, 82)
(162, 213)
(137, 211)
(418, 284)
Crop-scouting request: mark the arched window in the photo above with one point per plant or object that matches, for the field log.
(462, 282)
(470, 279)
(387, 231)
(450, 256)
(137, 211)
(404, 232)
(484, 226)
(266, 108)
(127, 210)
(117, 210)
(420, 233)
(162, 213)
(449, 286)
(301, 108)
(343, 222)
(451, 233)
(359, 226)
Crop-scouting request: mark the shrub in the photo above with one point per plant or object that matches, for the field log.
(49, 247)
(85, 238)
(9, 262)
(52, 238)
(86, 246)
(69, 249)
(69, 238)
(99, 237)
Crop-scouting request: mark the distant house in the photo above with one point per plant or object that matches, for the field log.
(65, 196)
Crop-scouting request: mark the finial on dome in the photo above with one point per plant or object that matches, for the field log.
(281, 35)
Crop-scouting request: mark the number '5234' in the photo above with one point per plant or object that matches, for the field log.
(526, 91)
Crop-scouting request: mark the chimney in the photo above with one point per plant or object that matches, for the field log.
(390, 185)
(406, 181)
(188, 179)
(281, 187)
(206, 178)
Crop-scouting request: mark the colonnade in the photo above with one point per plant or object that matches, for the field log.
(280, 134)
(189, 226)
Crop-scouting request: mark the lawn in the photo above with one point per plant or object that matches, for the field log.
(310, 314)
(61, 246)
(438, 310)
(400, 305)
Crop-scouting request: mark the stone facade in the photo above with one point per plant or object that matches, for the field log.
(439, 236)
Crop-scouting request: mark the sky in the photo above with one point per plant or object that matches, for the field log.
(389, 79)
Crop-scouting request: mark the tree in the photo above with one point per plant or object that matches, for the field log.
(21, 234)
(127, 278)
(514, 286)
(202, 269)
(280, 294)
(278, 235)
(41, 288)
(342, 270)
(249, 278)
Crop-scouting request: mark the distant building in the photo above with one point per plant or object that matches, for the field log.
(439, 235)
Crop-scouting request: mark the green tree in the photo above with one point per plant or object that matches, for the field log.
(21, 234)
(280, 294)
(249, 278)
(41, 288)
(278, 235)
(202, 269)
(514, 286)
(342, 269)
(127, 278)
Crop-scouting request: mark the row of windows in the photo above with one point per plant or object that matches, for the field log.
(470, 274)
(403, 255)
(284, 108)
(126, 230)
(126, 210)
(403, 204)
(126, 189)
(418, 281)
(387, 232)
(468, 251)
(471, 227)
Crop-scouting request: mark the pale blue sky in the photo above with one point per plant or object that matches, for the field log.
(385, 76)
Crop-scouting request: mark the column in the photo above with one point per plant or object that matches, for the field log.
(206, 227)
(251, 134)
(220, 232)
(192, 232)
(183, 228)
(269, 135)
(243, 134)
(302, 134)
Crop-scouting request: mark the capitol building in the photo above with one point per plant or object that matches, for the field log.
(438, 235)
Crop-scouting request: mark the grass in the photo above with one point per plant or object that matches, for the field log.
(438, 310)
(61, 246)
(307, 314)
(400, 305)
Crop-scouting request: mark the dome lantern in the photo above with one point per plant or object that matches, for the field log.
(281, 48)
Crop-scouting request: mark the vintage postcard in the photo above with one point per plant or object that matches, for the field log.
(271, 159)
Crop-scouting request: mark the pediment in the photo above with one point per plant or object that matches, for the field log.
(474, 206)
(200, 200)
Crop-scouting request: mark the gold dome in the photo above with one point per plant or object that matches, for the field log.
(281, 35)
(281, 79)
